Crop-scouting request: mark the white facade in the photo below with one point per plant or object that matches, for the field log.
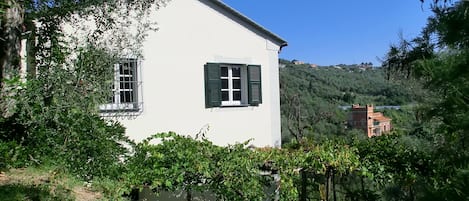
(192, 33)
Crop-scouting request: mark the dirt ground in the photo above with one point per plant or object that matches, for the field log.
(51, 179)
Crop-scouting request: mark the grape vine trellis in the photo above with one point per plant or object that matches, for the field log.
(180, 163)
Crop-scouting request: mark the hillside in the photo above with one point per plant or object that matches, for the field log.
(310, 97)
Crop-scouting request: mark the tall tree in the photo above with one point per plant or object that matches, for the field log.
(11, 28)
(439, 58)
(42, 23)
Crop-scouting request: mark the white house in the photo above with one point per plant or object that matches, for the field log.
(208, 68)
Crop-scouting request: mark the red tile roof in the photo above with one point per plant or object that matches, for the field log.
(378, 116)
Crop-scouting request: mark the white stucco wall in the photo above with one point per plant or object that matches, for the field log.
(191, 34)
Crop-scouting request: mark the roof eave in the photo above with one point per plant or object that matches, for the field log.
(275, 38)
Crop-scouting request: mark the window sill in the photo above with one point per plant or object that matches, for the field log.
(242, 105)
(116, 108)
(119, 110)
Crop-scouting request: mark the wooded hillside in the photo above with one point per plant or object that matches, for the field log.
(310, 97)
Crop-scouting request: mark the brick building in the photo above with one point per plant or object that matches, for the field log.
(364, 118)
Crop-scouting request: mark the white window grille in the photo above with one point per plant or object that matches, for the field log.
(233, 85)
(126, 97)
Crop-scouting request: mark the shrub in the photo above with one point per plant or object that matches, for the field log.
(55, 118)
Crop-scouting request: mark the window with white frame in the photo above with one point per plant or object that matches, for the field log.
(125, 87)
(232, 85)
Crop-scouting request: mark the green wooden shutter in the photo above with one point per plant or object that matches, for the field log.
(212, 85)
(254, 85)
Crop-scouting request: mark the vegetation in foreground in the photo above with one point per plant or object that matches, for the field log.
(42, 184)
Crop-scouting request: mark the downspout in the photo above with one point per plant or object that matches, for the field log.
(281, 46)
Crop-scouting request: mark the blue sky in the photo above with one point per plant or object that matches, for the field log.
(328, 32)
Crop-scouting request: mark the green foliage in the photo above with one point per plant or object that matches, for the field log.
(399, 155)
(238, 174)
(183, 163)
(51, 46)
(56, 119)
(160, 164)
(3, 7)
(310, 98)
(110, 188)
(457, 190)
(438, 59)
(440, 65)
(52, 117)
(9, 153)
(316, 159)
(19, 192)
(339, 86)
(44, 183)
(232, 172)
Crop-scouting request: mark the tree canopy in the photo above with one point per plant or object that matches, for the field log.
(41, 22)
(439, 59)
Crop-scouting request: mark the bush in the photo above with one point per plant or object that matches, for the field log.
(9, 151)
(181, 163)
(55, 118)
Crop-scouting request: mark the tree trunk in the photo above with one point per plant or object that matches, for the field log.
(31, 49)
(363, 187)
(11, 27)
(304, 184)
(333, 185)
(10, 39)
(411, 192)
(189, 195)
(327, 184)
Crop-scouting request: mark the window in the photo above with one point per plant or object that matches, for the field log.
(232, 85)
(125, 87)
(233, 81)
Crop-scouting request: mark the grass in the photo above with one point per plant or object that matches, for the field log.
(42, 184)
(17, 192)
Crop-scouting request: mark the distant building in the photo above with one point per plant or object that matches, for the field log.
(297, 62)
(338, 67)
(364, 118)
(313, 65)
